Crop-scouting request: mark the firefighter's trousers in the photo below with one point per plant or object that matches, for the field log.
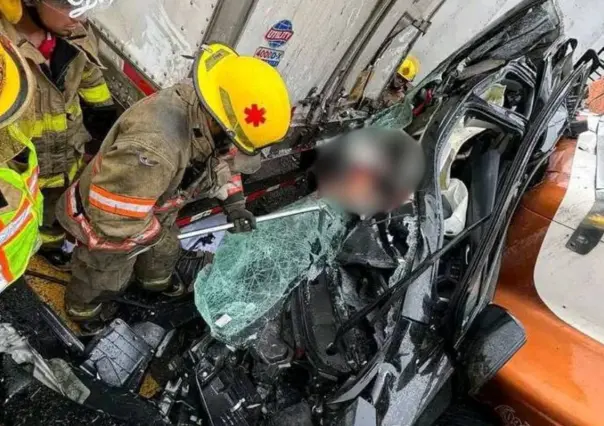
(99, 276)
(51, 231)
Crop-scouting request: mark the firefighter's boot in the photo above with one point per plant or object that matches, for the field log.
(92, 318)
(58, 258)
(170, 287)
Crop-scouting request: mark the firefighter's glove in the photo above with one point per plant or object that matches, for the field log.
(244, 220)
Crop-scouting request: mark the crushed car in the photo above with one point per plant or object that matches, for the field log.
(324, 318)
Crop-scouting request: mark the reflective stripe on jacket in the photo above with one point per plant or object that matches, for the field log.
(21, 217)
(57, 129)
(136, 179)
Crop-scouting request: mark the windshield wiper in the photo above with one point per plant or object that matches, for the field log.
(397, 290)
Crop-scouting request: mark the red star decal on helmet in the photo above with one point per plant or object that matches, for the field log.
(255, 115)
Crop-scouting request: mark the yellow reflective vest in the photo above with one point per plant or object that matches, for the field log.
(21, 214)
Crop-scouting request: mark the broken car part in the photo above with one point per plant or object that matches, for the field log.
(481, 354)
(55, 374)
(119, 356)
(468, 300)
(69, 339)
(252, 274)
(230, 398)
(400, 287)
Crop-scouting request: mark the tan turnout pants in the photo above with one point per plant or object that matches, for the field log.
(98, 276)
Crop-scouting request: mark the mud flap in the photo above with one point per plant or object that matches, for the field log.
(492, 340)
(589, 233)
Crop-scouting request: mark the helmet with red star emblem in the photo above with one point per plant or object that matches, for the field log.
(246, 96)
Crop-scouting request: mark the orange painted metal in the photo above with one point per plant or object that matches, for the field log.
(557, 378)
(595, 99)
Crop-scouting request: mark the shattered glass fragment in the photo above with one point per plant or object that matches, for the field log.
(252, 274)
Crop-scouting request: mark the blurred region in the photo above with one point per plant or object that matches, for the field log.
(369, 171)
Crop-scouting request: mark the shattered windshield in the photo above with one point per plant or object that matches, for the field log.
(252, 275)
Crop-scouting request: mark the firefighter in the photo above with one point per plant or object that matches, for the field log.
(62, 55)
(162, 152)
(20, 197)
(401, 82)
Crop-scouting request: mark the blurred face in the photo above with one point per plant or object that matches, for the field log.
(356, 190)
(56, 19)
(398, 82)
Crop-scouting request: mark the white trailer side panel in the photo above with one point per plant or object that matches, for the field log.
(154, 34)
(322, 32)
(458, 21)
(386, 65)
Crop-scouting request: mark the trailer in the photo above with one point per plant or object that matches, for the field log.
(385, 321)
(336, 57)
(332, 55)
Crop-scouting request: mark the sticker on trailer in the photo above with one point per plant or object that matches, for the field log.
(279, 34)
(270, 56)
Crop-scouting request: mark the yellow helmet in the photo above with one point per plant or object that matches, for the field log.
(409, 68)
(246, 96)
(16, 91)
(12, 10)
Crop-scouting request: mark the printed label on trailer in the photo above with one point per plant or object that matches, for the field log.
(270, 56)
(279, 34)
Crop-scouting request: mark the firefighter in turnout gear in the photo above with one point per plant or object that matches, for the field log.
(62, 55)
(20, 197)
(161, 153)
(401, 82)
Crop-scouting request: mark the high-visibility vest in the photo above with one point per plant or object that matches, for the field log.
(19, 221)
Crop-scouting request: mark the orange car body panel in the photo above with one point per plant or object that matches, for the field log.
(595, 100)
(557, 378)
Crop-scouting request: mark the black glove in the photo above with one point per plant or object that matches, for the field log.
(244, 220)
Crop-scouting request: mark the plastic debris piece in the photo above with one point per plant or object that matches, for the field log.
(459, 136)
(71, 386)
(55, 374)
(495, 94)
(118, 356)
(223, 321)
(364, 247)
(253, 273)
